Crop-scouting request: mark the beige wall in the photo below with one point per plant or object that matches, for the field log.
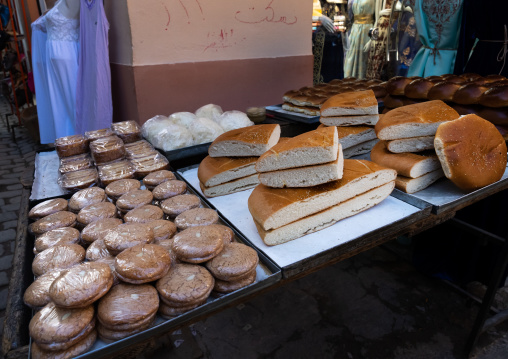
(177, 55)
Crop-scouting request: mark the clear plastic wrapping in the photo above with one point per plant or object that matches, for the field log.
(56, 325)
(144, 214)
(81, 285)
(97, 250)
(231, 120)
(86, 197)
(169, 134)
(139, 149)
(107, 149)
(96, 230)
(53, 221)
(184, 119)
(75, 163)
(58, 257)
(128, 131)
(169, 189)
(115, 171)
(162, 229)
(48, 207)
(178, 204)
(128, 304)
(71, 145)
(78, 179)
(134, 199)
(95, 212)
(37, 294)
(116, 189)
(95, 135)
(146, 165)
(142, 263)
(65, 235)
(210, 111)
(127, 235)
(156, 178)
(78, 348)
(196, 217)
(205, 130)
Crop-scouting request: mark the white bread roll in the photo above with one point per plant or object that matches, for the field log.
(350, 103)
(421, 119)
(276, 207)
(204, 130)
(349, 120)
(213, 171)
(153, 126)
(412, 185)
(231, 120)
(472, 152)
(310, 148)
(171, 137)
(305, 176)
(406, 164)
(414, 144)
(245, 142)
(360, 148)
(210, 111)
(184, 119)
(237, 185)
(326, 218)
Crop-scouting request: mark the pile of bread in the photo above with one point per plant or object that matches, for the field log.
(468, 93)
(106, 155)
(109, 260)
(426, 141)
(354, 114)
(184, 129)
(308, 100)
(306, 186)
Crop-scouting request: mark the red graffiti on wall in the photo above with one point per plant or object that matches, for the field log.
(222, 39)
(189, 7)
(258, 14)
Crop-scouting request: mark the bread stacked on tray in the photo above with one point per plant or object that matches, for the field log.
(354, 114)
(467, 93)
(309, 100)
(307, 186)
(230, 164)
(407, 143)
(109, 261)
(106, 155)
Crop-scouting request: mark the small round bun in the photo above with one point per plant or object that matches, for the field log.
(472, 152)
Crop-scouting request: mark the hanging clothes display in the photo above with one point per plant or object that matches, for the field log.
(438, 24)
(484, 32)
(355, 64)
(377, 50)
(409, 42)
(94, 108)
(40, 65)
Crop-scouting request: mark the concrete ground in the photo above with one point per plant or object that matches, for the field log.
(375, 305)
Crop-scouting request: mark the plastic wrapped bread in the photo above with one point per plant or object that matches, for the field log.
(128, 131)
(71, 145)
(95, 135)
(210, 111)
(75, 163)
(139, 149)
(116, 171)
(78, 179)
(154, 125)
(231, 120)
(146, 165)
(184, 119)
(171, 138)
(205, 130)
(107, 149)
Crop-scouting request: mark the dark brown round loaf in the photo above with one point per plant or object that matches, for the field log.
(495, 97)
(443, 91)
(396, 85)
(418, 89)
(393, 101)
(469, 94)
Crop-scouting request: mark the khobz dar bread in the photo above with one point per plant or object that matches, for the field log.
(351, 103)
(245, 142)
(310, 148)
(421, 119)
(472, 152)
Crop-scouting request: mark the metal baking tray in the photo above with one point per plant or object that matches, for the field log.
(268, 273)
(186, 152)
(295, 116)
(342, 239)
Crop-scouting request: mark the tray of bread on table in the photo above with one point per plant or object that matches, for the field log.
(297, 199)
(129, 252)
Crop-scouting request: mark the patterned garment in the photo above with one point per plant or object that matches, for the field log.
(355, 64)
(377, 53)
(438, 25)
(409, 44)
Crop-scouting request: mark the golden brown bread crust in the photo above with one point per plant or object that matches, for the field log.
(393, 101)
(420, 113)
(258, 134)
(472, 152)
(212, 166)
(495, 97)
(350, 100)
(443, 91)
(396, 85)
(469, 94)
(471, 76)
(401, 162)
(418, 89)
(454, 79)
(264, 201)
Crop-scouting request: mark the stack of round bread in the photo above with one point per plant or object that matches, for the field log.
(122, 266)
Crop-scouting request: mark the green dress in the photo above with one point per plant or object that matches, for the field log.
(438, 25)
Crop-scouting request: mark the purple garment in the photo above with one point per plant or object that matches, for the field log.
(94, 108)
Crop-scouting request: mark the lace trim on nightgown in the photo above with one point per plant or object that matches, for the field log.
(61, 28)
